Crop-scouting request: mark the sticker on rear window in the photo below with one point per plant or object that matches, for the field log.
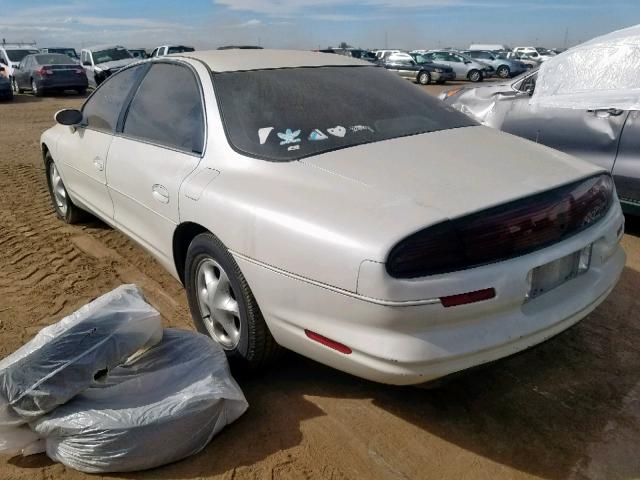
(289, 137)
(337, 131)
(317, 135)
(264, 133)
(361, 128)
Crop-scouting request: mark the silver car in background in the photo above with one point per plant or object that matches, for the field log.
(504, 67)
(608, 138)
(463, 66)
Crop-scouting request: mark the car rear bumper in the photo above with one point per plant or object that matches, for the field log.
(68, 83)
(413, 344)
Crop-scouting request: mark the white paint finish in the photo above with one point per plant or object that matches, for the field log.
(311, 236)
(83, 154)
(196, 184)
(136, 173)
(240, 60)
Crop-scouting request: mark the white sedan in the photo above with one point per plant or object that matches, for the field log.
(388, 236)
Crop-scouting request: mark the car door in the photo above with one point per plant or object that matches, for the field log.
(587, 134)
(87, 64)
(82, 155)
(626, 170)
(21, 73)
(161, 143)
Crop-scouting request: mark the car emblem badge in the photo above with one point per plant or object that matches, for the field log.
(317, 135)
(289, 137)
(264, 133)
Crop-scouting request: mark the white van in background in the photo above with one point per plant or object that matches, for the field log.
(11, 54)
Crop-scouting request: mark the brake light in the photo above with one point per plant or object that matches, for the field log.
(503, 232)
(42, 71)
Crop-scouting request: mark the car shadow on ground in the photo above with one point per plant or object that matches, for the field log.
(29, 98)
(552, 411)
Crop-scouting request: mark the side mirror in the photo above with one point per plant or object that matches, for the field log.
(2, 69)
(467, 62)
(86, 63)
(69, 117)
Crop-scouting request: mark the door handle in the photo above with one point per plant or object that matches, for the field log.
(160, 193)
(98, 164)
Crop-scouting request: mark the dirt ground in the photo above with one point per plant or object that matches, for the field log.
(569, 408)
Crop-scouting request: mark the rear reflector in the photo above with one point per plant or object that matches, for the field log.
(328, 342)
(469, 297)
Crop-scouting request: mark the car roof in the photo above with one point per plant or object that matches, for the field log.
(96, 48)
(243, 60)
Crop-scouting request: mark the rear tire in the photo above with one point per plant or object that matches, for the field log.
(14, 85)
(62, 204)
(37, 92)
(223, 306)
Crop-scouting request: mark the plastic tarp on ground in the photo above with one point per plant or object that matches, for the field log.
(600, 74)
(160, 407)
(63, 360)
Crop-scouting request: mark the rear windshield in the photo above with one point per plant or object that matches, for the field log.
(18, 55)
(288, 114)
(110, 55)
(180, 50)
(53, 59)
(70, 52)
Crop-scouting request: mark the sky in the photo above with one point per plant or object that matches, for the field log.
(309, 24)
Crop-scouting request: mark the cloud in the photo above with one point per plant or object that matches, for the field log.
(253, 23)
(326, 9)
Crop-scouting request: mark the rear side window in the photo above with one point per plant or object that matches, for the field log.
(167, 109)
(292, 113)
(103, 108)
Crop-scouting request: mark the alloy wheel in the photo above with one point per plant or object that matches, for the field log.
(57, 187)
(218, 305)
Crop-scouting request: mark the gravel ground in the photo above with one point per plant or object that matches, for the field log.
(569, 408)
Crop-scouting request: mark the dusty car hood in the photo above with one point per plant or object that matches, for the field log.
(456, 171)
(115, 64)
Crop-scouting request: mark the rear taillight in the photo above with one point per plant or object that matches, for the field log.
(503, 232)
(43, 71)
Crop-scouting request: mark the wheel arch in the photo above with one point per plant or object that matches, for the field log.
(182, 238)
(45, 151)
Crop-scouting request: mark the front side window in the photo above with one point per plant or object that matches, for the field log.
(167, 109)
(292, 113)
(103, 108)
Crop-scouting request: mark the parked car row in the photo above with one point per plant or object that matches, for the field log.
(56, 69)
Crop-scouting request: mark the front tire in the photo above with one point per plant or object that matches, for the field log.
(62, 204)
(424, 78)
(475, 76)
(223, 306)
